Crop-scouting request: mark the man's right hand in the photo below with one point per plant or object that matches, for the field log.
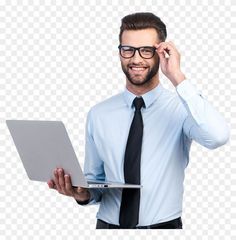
(62, 183)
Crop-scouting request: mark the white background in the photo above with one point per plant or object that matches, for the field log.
(59, 58)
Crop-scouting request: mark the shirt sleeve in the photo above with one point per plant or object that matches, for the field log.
(203, 123)
(93, 165)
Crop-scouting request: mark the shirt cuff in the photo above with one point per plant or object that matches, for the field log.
(90, 201)
(83, 202)
(186, 90)
(86, 201)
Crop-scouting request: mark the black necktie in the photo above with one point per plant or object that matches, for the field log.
(129, 210)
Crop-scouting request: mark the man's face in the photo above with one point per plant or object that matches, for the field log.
(140, 71)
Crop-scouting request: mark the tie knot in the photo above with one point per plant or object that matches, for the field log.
(138, 103)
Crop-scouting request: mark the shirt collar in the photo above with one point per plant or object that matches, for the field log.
(149, 97)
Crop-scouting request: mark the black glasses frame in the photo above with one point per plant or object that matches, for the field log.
(134, 48)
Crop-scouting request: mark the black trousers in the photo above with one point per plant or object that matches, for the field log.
(173, 224)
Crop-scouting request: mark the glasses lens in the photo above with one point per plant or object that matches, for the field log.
(126, 52)
(147, 52)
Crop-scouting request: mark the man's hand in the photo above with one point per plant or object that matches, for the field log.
(62, 183)
(170, 62)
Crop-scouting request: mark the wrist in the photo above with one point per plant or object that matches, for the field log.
(82, 197)
(178, 78)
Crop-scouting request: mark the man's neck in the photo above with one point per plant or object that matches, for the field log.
(139, 90)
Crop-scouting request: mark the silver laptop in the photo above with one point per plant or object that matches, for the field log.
(44, 146)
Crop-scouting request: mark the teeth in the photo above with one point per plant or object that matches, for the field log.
(137, 68)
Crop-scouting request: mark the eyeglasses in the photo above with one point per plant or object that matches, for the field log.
(146, 52)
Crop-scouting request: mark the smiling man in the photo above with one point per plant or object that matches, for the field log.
(139, 72)
(143, 135)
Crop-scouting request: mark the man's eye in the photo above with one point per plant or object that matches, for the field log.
(146, 50)
(127, 49)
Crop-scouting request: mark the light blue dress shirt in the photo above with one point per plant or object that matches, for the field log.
(171, 121)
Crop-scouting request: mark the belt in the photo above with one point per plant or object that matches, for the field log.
(172, 224)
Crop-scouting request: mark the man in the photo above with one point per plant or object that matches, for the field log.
(143, 135)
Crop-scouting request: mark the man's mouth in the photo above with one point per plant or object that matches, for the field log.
(135, 69)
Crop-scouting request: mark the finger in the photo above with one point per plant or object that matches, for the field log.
(160, 51)
(51, 184)
(159, 45)
(163, 52)
(161, 55)
(68, 185)
(61, 179)
(56, 180)
(167, 50)
(165, 47)
(173, 47)
(172, 44)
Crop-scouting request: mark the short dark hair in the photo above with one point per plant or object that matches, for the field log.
(143, 20)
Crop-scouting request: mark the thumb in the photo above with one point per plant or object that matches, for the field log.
(163, 61)
(161, 56)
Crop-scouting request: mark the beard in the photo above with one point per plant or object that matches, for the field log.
(138, 80)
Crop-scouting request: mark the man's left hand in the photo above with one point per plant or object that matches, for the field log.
(170, 62)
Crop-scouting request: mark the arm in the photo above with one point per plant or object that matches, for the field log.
(93, 165)
(93, 170)
(203, 123)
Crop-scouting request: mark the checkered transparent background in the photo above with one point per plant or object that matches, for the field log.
(58, 58)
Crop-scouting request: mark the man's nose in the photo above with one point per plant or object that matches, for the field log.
(137, 57)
